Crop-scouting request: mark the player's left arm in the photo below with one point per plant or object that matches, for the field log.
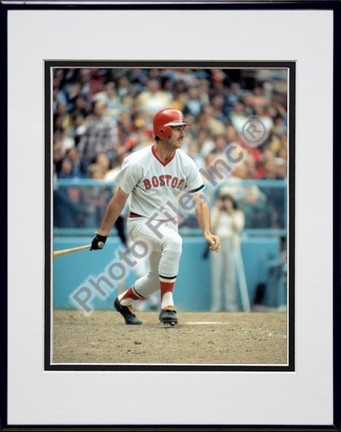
(203, 216)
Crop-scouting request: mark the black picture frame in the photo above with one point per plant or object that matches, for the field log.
(5, 7)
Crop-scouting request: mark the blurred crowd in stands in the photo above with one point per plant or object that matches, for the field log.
(101, 115)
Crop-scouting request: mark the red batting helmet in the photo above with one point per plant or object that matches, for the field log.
(163, 120)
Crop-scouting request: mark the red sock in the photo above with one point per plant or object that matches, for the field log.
(129, 296)
(166, 289)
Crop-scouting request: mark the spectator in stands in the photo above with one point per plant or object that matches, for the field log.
(102, 161)
(81, 106)
(194, 104)
(76, 100)
(111, 99)
(207, 119)
(250, 197)
(96, 197)
(73, 155)
(62, 141)
(97, 169)
(59, 97)
(275, 169)
(65, 169)
(270, 169)
(218, 106)
(227, 222)
(124, 90)
(78, 127)
(70, 165)
(281, 165)
(239, 116)
(92, 82)
(153, 99)
(62, 118)
(101, 135)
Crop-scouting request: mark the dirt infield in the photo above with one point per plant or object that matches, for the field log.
(254, 338)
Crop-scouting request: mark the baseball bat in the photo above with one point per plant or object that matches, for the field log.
(71, 250)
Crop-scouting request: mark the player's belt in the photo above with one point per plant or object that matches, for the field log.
(134, 215)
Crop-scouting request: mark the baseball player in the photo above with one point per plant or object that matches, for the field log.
(154, 178)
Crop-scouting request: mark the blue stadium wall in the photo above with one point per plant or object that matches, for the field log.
(70, 274)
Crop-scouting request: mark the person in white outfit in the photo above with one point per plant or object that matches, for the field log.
(160, 180)
(227, 223)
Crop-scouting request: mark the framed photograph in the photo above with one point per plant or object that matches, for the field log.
(252, 115)
(243, 338)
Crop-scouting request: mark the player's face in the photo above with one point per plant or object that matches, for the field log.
(176, 139)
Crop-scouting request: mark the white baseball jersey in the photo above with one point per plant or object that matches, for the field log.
(154, 187)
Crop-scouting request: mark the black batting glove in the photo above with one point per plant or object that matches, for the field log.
(98, 242)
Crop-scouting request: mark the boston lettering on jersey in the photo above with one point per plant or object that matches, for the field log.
(163, 180)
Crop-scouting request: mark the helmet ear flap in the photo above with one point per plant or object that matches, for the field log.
(165, 132)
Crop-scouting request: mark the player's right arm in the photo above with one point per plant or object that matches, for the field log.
(114, 209)
(127, 179)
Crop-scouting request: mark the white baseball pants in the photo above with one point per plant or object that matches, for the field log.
(163, 247)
